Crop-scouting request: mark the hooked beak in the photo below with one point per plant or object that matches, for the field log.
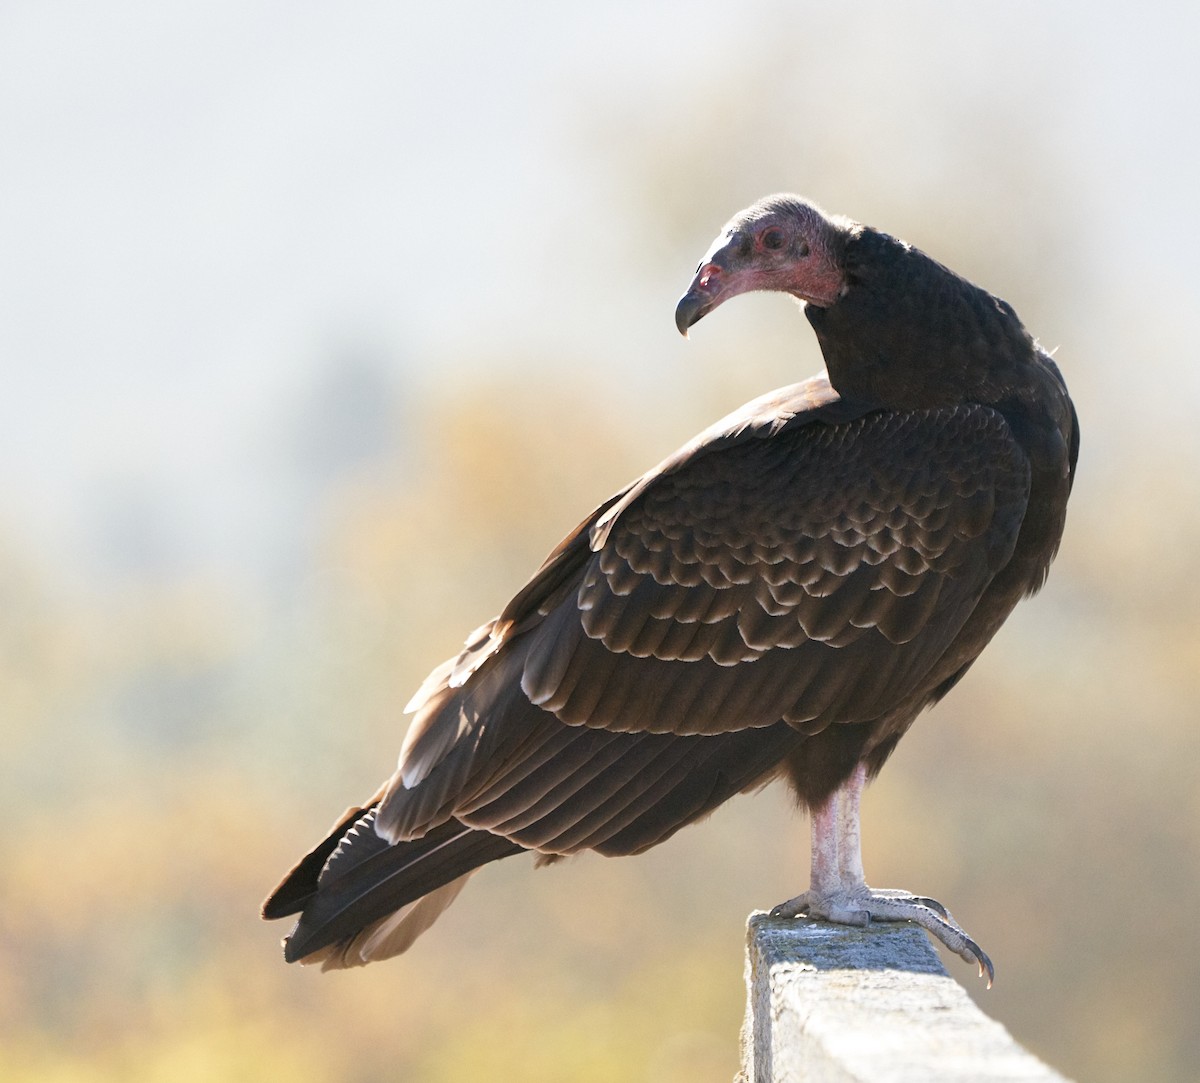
(692, 307)
(708, 289)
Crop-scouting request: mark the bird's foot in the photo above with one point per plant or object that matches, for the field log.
(863, 905)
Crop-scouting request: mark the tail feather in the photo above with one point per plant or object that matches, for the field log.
(367, 901)
(389, 935)
(300, 884)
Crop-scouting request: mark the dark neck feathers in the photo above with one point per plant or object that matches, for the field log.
(909, 333)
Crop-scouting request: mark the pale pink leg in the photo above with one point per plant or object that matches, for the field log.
(826, 865)
(838, 890)
(849, 797)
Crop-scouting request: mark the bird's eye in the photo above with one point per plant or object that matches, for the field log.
(772, 238)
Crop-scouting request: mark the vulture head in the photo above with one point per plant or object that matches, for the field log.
(780, 243)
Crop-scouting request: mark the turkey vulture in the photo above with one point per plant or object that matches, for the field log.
(779, 598)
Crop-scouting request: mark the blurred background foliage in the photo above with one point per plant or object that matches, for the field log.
(320, 328)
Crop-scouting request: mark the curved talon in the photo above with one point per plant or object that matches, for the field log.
(982, 961)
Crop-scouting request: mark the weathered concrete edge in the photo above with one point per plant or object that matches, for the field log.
(834, 1004)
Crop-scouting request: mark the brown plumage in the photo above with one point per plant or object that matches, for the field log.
(781, 597)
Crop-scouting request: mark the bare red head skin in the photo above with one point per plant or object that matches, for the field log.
(781, 243)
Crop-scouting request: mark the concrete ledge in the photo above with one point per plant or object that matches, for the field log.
(834, 1004)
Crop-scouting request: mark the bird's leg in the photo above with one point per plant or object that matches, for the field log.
(849, 801)
(850, 866)
(826, 863)
(839, 893)
(825, 880)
